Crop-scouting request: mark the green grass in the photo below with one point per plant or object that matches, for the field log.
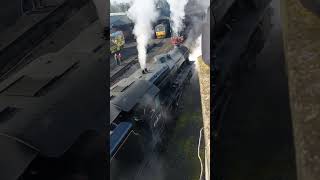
(183, 146)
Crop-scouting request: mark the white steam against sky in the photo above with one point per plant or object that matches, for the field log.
(177, 14)
(143, 14)
(196, 50)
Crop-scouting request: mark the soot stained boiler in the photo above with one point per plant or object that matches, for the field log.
(143, 105)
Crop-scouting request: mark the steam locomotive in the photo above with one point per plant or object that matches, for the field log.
(142, 106)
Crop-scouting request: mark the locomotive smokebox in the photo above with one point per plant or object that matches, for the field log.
(176, 41)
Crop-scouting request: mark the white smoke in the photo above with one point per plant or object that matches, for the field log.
(196, 12)
(196, 50)
(143, 13)
(120, 1)
(177, 14)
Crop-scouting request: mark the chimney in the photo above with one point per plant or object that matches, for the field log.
(145, 71)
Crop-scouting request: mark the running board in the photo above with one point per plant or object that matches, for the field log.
(118, 137)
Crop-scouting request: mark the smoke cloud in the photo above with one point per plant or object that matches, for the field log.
(120, 1)
(196, 11)
(177, 14)
(195, 50)
(143, 14)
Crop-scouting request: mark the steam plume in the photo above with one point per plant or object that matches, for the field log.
(195, 50)
(196, 12)
(120, 1)
(177, 14)
(143, 14)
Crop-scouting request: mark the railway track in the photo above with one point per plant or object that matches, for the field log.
(114, 77)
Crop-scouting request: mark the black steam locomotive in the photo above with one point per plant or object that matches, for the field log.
(142, 105)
